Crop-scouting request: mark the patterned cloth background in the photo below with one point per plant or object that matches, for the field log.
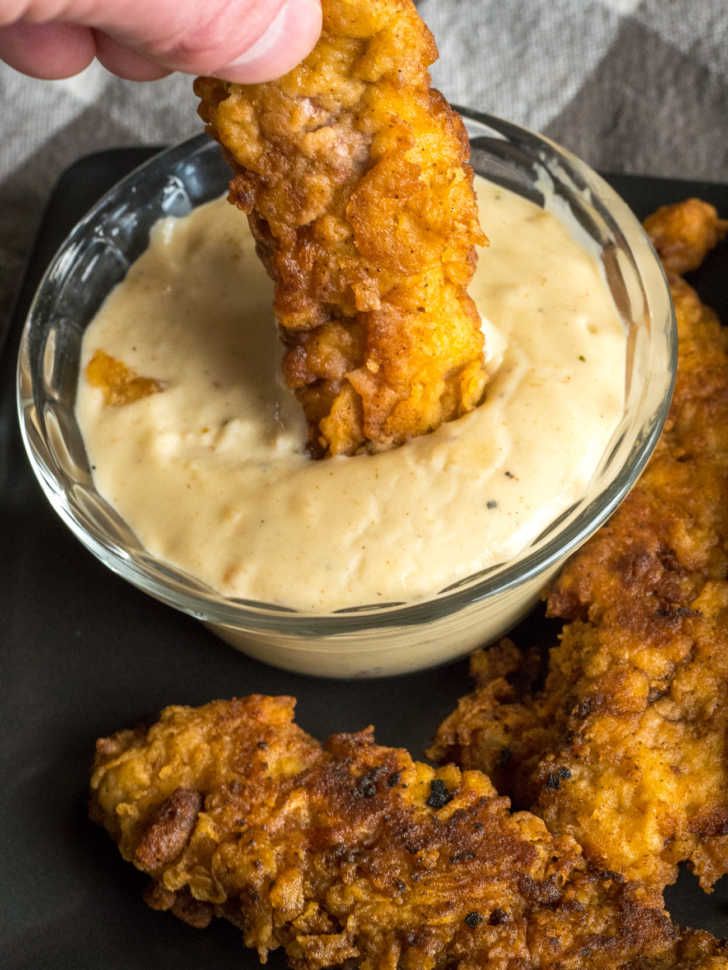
(630, 85)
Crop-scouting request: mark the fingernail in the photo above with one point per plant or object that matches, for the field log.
(267, 41)
(289, 38)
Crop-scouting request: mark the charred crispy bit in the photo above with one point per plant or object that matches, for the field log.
(183, 904)
(168, 831)
(310, 848)
(119, 383)
(353, 172)
(633, 719)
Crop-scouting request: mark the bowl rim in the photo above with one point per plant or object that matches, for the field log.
(215, 608)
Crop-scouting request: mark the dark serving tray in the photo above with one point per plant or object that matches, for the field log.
(82, 653)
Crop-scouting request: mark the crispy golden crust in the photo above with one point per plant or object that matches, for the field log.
(354, 852)
(119, 384)
(684, 234)
(354, 175)
(626, 745)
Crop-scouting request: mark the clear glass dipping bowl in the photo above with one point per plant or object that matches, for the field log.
(366, 641)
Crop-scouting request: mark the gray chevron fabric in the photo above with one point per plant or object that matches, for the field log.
(630, 85)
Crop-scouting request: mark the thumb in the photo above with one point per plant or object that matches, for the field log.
(247, 41)
(288, 39)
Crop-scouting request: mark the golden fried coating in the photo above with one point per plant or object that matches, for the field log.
(625, 744)
(120, 384)
(354, 176)
(684, 234)
(353, 854)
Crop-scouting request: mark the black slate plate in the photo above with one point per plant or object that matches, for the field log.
(82, 653)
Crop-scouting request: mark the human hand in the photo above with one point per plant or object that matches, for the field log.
(237, 40)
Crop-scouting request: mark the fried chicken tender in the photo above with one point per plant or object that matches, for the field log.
(619, 735)
(684, 234)
(353, 854)
(353, 172)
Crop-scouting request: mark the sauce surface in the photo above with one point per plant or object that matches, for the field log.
(212, 474)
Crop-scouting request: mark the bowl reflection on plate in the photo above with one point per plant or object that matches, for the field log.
(366, 640)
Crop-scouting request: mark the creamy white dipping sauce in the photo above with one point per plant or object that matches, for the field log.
(212, 473)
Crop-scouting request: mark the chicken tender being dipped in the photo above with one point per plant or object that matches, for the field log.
(619, 736)
(351, 854)
(353, 172)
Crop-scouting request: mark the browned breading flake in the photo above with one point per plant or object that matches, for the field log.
(119, 383)
(168, 831)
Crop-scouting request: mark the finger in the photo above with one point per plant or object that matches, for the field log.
(289, 38)
(125, 62)
(48, 51)
(250, 40)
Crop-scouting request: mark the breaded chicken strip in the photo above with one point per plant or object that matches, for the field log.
(351, 854)
(354, 176)
(684, 234)
(625, 745)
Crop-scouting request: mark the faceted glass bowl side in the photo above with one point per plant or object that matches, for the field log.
(366, 640)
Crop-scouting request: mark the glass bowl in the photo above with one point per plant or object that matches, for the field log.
(365, 641)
